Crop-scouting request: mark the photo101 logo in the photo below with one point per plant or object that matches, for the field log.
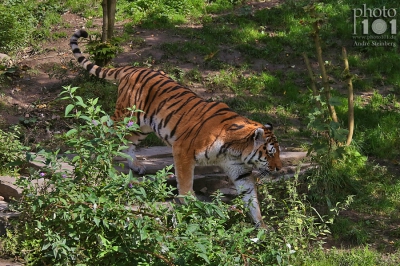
(378, 26)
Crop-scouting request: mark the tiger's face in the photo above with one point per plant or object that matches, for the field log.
(265, 154)
(268, 157)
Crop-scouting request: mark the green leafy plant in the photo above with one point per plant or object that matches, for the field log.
(28, 122)
(12, 151)
(103, 52)
(95, 155)
(9, 245)
(338, 164)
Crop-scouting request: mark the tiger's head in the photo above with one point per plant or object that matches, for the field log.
(264, 154)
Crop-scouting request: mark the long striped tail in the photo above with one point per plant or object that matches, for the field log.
(93, 69)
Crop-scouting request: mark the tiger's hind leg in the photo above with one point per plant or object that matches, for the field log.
(133, 162)
(135, 138)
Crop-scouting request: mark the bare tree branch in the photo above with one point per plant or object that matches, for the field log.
(312, 78)
(325, 82)
(349, 82)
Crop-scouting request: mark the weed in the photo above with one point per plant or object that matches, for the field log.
(87, 8)
(103, 52)
(193, 75)
(11, 151)
(357, 256)
(173, 72)
(220, 6)
(9, 245)
(89, 23)
(60, 35)
(151, 140)
(349, 232)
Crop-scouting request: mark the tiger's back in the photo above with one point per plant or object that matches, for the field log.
(199, 132)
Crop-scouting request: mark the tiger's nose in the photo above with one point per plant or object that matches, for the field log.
(277, 166)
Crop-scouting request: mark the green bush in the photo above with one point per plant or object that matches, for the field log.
(103, 52)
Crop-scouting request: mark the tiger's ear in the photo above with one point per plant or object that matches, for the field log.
(269, 126)
(259, 136)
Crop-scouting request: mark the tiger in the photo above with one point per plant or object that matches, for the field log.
(200, 132)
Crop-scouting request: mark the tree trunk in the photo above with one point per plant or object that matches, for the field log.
(104, 35)
(111, 7)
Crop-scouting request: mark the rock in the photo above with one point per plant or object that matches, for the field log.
(5, 60)
(4, 57)
(10, 262)
(292, 158)
(154, 152)
(3, 206)
(158, 157)
(5, 217)
(8, 189)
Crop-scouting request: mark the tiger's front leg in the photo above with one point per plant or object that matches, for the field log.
(245, 186)
(184, 172)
